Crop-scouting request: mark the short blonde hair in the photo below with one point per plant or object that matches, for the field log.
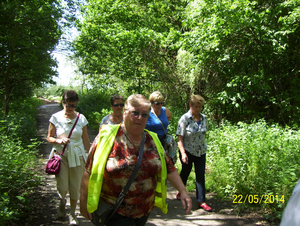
(156, 96)
(137, 100)
(197, 99)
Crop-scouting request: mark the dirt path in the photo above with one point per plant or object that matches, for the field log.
(222, 214)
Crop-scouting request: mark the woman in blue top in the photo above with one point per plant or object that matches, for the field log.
(159, 117)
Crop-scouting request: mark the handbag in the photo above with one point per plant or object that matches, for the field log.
(105, 211)
(53, 164)
(170, 145)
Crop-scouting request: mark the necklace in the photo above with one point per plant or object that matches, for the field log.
(135, 144)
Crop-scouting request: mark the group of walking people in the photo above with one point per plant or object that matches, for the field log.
(136, 129)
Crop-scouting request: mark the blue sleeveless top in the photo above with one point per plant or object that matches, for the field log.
(154, 125)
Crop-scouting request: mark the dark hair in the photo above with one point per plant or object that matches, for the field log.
(116, 97)
(70, 96)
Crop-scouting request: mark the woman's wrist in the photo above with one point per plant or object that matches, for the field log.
(182, 152)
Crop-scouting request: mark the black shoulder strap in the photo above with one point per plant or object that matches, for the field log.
(70, 134)
(131, 178)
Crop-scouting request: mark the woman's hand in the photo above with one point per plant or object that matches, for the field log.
(52, 139)
(186, 201)
(176, 181)
(184, 158)
(63, 141)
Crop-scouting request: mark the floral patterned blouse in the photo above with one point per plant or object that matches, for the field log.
(193, 134)
(139, 201)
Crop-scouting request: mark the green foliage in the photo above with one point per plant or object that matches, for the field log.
(20, 124)
(253, 159)
(94, 105)
(242, 56)
(18, 160)
(130, 45)
(18, 177)
(173, 123)
(30, 31)
(50, 91)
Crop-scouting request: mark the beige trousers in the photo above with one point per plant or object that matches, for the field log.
(69, 179)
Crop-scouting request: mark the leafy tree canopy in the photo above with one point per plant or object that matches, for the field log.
(29, 33)
(242, 56)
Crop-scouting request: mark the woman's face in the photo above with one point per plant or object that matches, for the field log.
(135, 119)
(196, 108)
(69, 107)
(118, 106)
(156, 105)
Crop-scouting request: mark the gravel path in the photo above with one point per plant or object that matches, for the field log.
(223, 213)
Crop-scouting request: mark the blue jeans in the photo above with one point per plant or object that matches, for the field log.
(118, 220)
(199, 163)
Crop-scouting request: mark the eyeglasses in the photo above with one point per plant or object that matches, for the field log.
(118, 105)
(137, 114)
(158, 103)
(70, 106)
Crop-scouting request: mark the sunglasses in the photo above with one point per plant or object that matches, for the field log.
(70, 106)
(118, 105)
(137, 114)
(158, 103)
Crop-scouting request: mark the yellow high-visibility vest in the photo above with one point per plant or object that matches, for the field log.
(107, 137)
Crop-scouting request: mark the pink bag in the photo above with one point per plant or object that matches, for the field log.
(53, 165)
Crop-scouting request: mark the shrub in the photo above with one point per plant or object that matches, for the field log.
(21, 121)
(17, 178)
(18, 158)
(94, 105)
(254, 159)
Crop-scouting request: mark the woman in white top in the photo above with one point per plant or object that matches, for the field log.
(74, 157)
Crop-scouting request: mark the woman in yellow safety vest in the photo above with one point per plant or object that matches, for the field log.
(111, 160)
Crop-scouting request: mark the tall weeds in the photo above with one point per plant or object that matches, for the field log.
(19, 150)
(254, 159)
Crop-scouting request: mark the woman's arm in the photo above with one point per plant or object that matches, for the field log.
(86, 139)
(176, 181)
(84, 194)
(168, 113)
(184, 157)
(51, 133)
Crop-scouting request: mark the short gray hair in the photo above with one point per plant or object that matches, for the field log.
(137, 100)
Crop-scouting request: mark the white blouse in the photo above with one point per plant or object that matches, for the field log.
(63, 126)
